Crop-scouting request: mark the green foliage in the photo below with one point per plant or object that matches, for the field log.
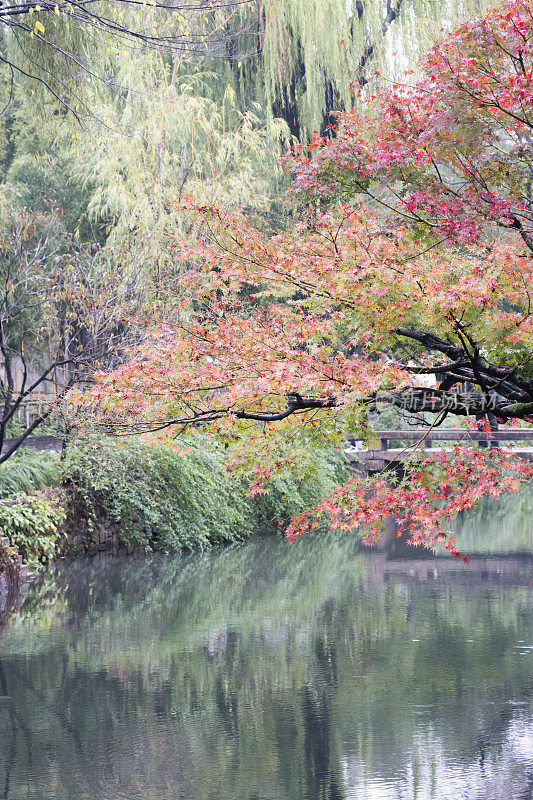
(161, 499)
(312, 51)
(185, 135)
(27, 471)
(286, 495)
(41, 168)
(33, 524)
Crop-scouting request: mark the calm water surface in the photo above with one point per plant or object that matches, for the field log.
(271, 672)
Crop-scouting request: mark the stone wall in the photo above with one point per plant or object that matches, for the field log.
(98, 536)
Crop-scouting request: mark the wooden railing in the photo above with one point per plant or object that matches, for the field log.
(30, 409)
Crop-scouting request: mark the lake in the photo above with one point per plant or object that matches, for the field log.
(267, 671)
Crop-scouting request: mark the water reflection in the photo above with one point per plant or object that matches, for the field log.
(311, 672)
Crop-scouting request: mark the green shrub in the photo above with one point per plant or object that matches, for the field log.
(27, 471)
(33, 524)
(287, 495)
(159, 499)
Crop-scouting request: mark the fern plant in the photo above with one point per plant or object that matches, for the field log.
(33, 525)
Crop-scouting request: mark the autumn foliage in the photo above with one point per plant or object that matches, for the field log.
(454, 151)
(413, 258)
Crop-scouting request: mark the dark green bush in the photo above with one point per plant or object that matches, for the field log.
(160, 499)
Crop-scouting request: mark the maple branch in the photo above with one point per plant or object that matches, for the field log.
(295, 402)
(431, 342)
(470, 367)
(527, 235)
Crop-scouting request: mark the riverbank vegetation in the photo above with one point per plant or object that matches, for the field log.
(143, 497)
(166, 499)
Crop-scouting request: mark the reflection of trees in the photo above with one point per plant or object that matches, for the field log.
(11, 737)
(321, 781)
(497, 526)
(237, 674)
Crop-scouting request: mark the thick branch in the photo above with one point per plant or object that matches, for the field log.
(470, 366)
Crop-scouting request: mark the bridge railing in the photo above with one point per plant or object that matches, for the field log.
(28, 410)
(427, 438)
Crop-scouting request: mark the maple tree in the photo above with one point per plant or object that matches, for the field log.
(455, 150)
(292, 338)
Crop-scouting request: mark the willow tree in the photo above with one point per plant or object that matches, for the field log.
(60, 46)
(299, 56)
(178, 134)
(308, 53)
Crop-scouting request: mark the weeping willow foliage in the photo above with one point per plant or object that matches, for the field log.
(120, 180)
(209, 120)
(59, 51)
(309, 52)
(175, 136)
(296, 58)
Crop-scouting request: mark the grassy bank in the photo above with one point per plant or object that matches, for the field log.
(145, 497)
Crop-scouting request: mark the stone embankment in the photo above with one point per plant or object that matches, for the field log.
(13, 588)
(49, 444)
